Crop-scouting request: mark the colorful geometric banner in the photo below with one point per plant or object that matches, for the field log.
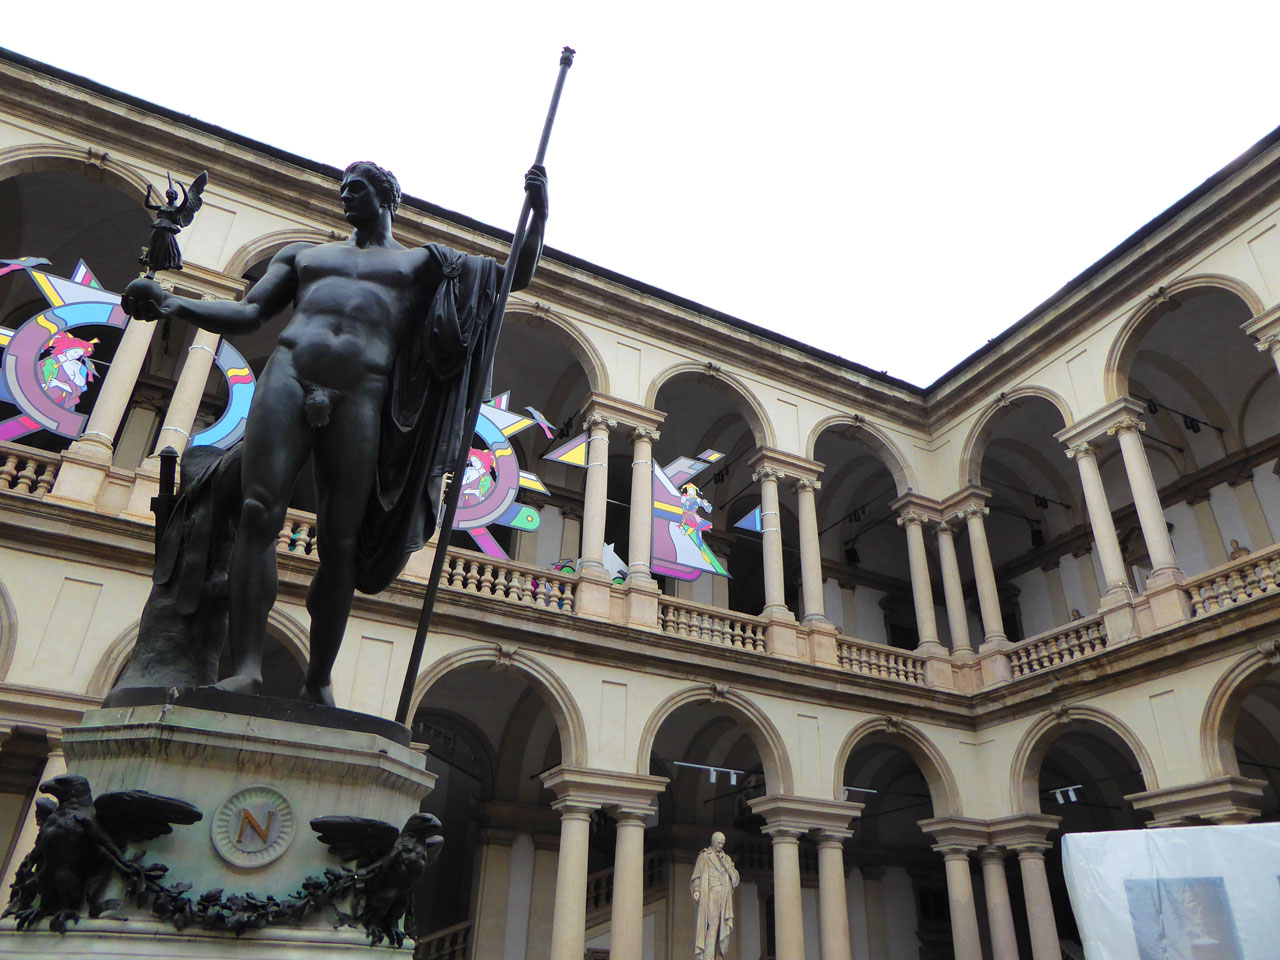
(229, 427)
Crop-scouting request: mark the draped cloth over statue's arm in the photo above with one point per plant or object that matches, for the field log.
(424, 413)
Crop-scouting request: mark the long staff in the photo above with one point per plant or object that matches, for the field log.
(475, 389)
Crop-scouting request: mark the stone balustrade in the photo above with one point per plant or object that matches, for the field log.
(1235, 582)
(486, 576)
(451, 943)
(600, 883)
(27, 471)
(298, 535)
(1060, 645)
(682, 618)
(878, 660)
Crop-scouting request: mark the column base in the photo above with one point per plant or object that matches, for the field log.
(594, 592)
(146, 484)
(782, 634)
(1170, 604)
(938, 669)
(1118, 616)
(642, 601)
(82, 473)
(1223, 800)
(822, 641)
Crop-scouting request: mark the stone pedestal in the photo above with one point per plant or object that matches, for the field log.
(258, 781)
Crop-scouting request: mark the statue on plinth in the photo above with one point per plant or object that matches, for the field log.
(372, 378)
(714, 879)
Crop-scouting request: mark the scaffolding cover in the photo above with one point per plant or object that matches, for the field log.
(1185, 893)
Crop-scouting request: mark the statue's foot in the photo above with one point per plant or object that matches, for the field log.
(240, 683)
(317, 693)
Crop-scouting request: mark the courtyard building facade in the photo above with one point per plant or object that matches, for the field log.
(1035, 597)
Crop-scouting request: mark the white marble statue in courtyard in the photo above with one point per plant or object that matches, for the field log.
(714, 878)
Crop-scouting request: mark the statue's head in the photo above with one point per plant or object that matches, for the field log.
(171, 195)
(383, 183)
(717, 840)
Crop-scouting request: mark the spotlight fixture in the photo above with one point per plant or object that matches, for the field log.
(1037, 537)
(1191, 423)
(851, 554)
(1041, 502)
(1153, 407)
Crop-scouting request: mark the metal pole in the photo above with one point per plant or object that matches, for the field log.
(476, 387)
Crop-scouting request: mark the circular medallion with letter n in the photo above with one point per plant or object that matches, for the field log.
(253, 826)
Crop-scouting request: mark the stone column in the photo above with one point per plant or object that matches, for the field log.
(641, 540)
(964, 915)
(1270, 344)
(788, 922)
(1215, 548)
(810, 549)
(1104, 528)
(921, 590)
(627, 920)
(569, 919)
(995, 885)
(957, 617)
(984, 573)
(775, 598)
(1255, 521)
(1146, 499)
(873, 907)
(1035, 886)
(833, 902)
(595, 494)
(54, 765)
(1088, 575)
(85, 463)
(187, 393)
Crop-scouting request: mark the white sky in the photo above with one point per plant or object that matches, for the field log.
(895, 183)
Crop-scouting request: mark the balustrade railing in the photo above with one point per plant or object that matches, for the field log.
(680, 618)
(27, 471)
(451, 943)
(298, 535)
(507, 580)
(878, 660)
(1061, 645)
(1235, 582)
(600, 883)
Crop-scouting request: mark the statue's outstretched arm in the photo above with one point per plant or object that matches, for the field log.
(146, 300)
(535, 185)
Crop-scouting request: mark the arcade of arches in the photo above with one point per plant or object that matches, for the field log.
(1034, 598)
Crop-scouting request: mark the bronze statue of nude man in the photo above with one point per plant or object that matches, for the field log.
(326, 390)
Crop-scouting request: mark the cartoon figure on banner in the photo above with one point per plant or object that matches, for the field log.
(493, 477)
(678, 547)
(66, 370)
(47, 369)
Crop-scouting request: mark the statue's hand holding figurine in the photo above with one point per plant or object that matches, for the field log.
(712, 885)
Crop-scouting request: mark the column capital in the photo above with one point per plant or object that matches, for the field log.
(578, 786)
(206, 284)
(972, 510)
(1129, 424)
(1081, 450)
(970, 495)
(992, 852)
(645, 433)
(1027, 832)
(786, 464)
(1221, 800)
(623, 412)
(598, 419)
(908, 517)
(760, 474)
(806, 483)
(944, 527)
(1266, 327)
(909, 504)
(829, 836)
(956, 834)
(1095, 426)
(1268, 344)
(799, 815)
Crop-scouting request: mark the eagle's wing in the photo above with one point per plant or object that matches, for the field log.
(356, 838)
(131, 816)
(194, 199)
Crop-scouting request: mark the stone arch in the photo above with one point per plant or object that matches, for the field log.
(8, 631)
(976, 440)
(268, 245)
(1222, 710)
(753, 410)
(880, 443)
(764, 735)
(911, 740)
(584, 351)
(1024, 770)
(1123, 348)
(292, 634)
(556, 695)
(96, 165)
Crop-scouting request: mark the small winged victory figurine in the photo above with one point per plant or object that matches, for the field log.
(171, 217)
(80, 841)
(388, 862)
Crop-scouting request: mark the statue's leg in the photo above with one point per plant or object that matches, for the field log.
(276, 444)
(346, 462)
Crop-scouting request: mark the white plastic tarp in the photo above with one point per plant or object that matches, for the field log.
(1185, 893)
